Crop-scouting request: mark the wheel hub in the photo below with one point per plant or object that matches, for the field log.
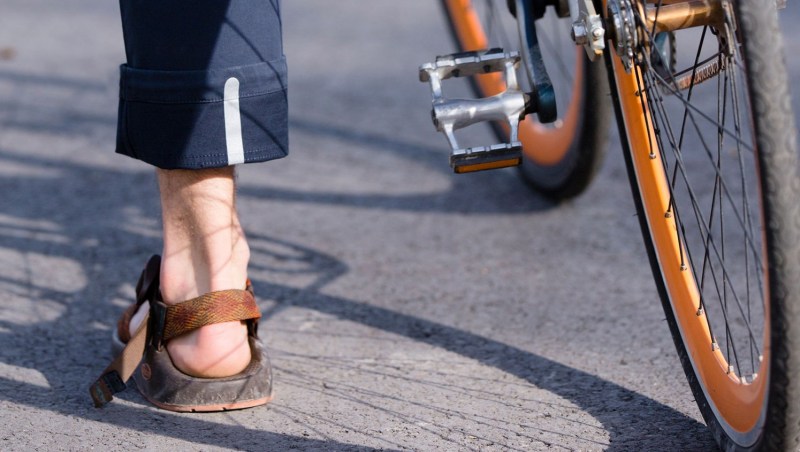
(622, 24)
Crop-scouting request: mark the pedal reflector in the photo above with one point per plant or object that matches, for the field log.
(486, 157)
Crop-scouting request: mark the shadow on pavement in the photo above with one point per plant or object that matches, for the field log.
(106, 221)
(493, 192)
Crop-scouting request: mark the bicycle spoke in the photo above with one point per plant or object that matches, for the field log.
(746, 208)
(728, 209)
(709, 241)
(724, 185)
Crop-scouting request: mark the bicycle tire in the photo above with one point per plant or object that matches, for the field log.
(763, 413)
(558, 162)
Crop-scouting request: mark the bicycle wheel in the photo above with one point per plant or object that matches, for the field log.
(559, 159)
(710, 143)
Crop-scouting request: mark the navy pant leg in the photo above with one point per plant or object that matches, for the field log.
(205, 83)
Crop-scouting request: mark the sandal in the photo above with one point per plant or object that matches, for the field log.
(157, 378)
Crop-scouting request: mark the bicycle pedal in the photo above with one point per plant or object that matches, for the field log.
(484, 158)
(450, 115)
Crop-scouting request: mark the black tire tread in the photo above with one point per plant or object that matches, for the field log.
(768, 85)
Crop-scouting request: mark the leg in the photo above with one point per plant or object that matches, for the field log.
(205, 250)
(167, 46)
(204, 89)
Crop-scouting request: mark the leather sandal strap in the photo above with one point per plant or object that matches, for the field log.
(114, 377)
(117, 374)
(213, 307)
(146, 290)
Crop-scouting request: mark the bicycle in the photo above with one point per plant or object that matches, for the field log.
(700, 93)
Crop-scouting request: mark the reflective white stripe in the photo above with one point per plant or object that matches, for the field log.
(233, 122)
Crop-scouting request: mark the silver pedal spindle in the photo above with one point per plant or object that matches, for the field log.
(450, 115)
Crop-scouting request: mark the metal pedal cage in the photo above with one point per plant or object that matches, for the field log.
(450, 115)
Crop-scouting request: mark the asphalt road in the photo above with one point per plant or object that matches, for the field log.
(406, 307)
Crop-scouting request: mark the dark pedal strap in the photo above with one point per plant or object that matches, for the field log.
(117, 374)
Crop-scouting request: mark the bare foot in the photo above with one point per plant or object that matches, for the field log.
(212, 351)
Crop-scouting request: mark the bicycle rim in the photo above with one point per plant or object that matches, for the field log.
(696, 171)
(553, 153)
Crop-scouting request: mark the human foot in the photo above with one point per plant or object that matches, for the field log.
(153, 368)
(211, 351)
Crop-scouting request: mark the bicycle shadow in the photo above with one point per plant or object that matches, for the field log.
(617, 410)
(70, 349)
(71, 230)
(54, 340)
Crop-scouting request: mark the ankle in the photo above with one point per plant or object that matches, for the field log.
(185, 276)
(205, 248)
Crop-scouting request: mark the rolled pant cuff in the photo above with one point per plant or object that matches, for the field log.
(204, 119)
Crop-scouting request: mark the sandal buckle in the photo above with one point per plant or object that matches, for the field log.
(158, 318)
